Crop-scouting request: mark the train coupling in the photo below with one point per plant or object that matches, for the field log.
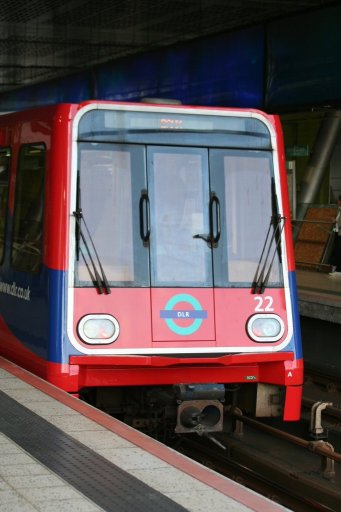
(200, 408)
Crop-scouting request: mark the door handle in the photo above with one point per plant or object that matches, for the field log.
(214, 221)
(215, 226)
(144, 217)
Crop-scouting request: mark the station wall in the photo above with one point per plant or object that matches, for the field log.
(280, 66)
(304, 61)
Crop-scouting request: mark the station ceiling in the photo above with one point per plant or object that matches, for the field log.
(45, 39)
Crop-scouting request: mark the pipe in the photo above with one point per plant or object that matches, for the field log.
(319, 447)
(318, 161)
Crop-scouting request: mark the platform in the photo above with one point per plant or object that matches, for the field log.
(319, 295)
(60, 454)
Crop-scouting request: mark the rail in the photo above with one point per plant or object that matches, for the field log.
(315, 446)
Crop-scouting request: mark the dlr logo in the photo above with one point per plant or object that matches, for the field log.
(182, 314)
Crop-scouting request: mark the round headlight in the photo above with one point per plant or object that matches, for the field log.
(98, 329)
(265, 328)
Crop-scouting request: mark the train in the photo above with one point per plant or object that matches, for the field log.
(147, 261)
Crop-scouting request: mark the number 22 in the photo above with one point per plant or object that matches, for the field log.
(264, 304)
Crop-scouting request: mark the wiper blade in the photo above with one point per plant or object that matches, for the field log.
(99, 279)
(276, 216)
(261, 278)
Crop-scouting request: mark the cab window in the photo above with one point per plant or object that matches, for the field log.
(5, 156)
(28, 209)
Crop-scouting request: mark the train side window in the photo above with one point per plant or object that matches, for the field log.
(28, 209)
(5, 155)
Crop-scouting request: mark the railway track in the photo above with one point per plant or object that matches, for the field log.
(303, 475)
(286, 462)
(281, 489)
(330, 382)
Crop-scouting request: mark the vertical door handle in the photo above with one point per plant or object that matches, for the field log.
(144, 217)
(215, 226)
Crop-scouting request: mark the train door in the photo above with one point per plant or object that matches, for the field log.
(209, 217)
(180, 250)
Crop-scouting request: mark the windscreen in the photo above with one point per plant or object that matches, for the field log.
(176, 214)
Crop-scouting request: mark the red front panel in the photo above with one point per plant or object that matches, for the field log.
(130, 306)
(179, 319)
(235, 306)
(184, 315)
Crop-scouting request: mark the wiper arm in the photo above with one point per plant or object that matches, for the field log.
(260, 273)
(78, 227)
(95, 277)
(260, 282)
(276, 216)
(98, 278)
(261, 279)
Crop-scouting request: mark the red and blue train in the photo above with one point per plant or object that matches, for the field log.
(147, 260)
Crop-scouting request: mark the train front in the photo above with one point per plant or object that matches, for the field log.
(181, 294)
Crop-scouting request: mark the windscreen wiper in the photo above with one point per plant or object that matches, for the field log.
(272, 243)
(276, 215)
(277, 224)
(98, 278)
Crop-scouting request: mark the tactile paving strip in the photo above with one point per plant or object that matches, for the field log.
(104, 483)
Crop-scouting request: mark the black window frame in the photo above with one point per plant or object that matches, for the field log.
(19, 256)
(3, 224)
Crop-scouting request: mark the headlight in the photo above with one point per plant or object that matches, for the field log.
(265, 328)
(98, 329)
